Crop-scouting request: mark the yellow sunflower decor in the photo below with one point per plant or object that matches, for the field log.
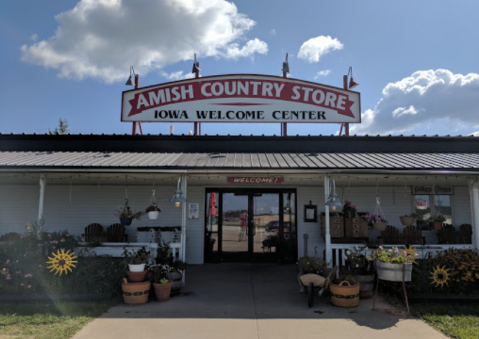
(62, 261)
(440, 275)
(411, 251)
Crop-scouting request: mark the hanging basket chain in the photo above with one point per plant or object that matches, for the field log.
(378, 210)
(153, 198)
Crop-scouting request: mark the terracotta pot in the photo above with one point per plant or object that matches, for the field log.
(436, 225)
(162, 292)
(136, 276)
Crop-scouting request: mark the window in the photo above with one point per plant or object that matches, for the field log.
(428, 205)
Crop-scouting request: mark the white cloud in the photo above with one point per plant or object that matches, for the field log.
(34, 37)
(476, 134)
(253, 46)
(313, 49)
(179, 75)
(324, 73)
(101, 39)
(421, 99)
(273, 32)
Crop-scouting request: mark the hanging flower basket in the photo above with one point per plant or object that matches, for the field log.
(394, 271)
(379, 226)
(126, 221)
(153, 215)
(407, 220)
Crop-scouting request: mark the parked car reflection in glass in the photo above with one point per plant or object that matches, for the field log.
(273, 226)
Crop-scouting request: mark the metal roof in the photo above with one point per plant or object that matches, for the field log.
(237, 161)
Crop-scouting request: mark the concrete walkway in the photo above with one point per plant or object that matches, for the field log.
(251, 301)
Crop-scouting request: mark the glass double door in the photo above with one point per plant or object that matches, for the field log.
(251, 226)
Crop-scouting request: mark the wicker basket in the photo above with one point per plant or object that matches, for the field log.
(345, 296)
(135, 293)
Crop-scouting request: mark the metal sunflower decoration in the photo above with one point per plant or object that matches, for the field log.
(440, 275)
(411, 251)
(62, 261)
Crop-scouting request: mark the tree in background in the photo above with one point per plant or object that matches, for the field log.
(62, 127)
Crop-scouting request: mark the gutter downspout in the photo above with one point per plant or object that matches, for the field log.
(327, 236)
(42, 197)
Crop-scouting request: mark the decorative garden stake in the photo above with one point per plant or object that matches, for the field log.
(61, 261)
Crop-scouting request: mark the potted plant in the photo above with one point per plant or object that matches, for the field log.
(126, 215)
(436, 221)
(345, 290)
(158, 276)
(378, 222)
(163, 254)
(153, 211)
(393, 264)
(408, 220)
(176, 276)
(420, 204)
(349, 210)
(362, 270)
(136, 263)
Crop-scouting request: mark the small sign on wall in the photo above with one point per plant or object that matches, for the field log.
(193, 210)
(437, 189)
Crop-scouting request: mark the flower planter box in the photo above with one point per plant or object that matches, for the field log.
(393, 272)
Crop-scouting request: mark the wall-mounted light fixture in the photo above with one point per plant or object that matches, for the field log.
(178, 197)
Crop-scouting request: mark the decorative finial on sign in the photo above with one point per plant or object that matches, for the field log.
(285, 66)
(196, 67)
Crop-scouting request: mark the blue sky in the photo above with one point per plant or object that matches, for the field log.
(416, 61)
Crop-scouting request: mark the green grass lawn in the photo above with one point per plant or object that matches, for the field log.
(48, 319)
(457, 320)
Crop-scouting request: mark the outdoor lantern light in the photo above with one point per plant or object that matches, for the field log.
(333, 201)
(130, 81)
(178, 198)
(352, 83)
(286, 65)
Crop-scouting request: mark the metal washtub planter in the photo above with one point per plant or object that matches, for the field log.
(393, 272)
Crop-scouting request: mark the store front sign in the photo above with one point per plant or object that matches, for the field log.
(254, 180)
(241, 98)
(437, 189)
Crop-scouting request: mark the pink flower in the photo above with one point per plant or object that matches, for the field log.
(29, 286)
(68, 235)
(49, 235)
(63, 240)
(9, 277)
(83, 239)
(21, 237)
(353, 207)
(18, 272)
(39, 244)
(21, 284)
(380, 247)
(39, 265)
(51, 242)
(8, 260)
(54, 247)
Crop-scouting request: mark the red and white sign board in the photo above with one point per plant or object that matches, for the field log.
(241, 98)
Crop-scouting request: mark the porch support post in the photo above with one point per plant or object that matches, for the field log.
(474, 193)
(184, 184)
(327, 237)
(42, 196)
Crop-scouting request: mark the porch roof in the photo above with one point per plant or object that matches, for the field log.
(126, 152)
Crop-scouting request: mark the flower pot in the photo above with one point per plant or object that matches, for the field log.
(344, 294)
(393, 272)
(366, 285)
(407, 221)
(175, 277)
(136, 276)
(135, 293)
(153, 215)
(136, 268)
(126, 221)
(436, 225)
(421, 207)
(163, 292)
(379, 226)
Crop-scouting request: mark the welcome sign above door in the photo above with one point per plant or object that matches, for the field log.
(241, 98)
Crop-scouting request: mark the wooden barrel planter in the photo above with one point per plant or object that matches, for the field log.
(135, 293)
(344, 294)
(366, 285)
(393, 272)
